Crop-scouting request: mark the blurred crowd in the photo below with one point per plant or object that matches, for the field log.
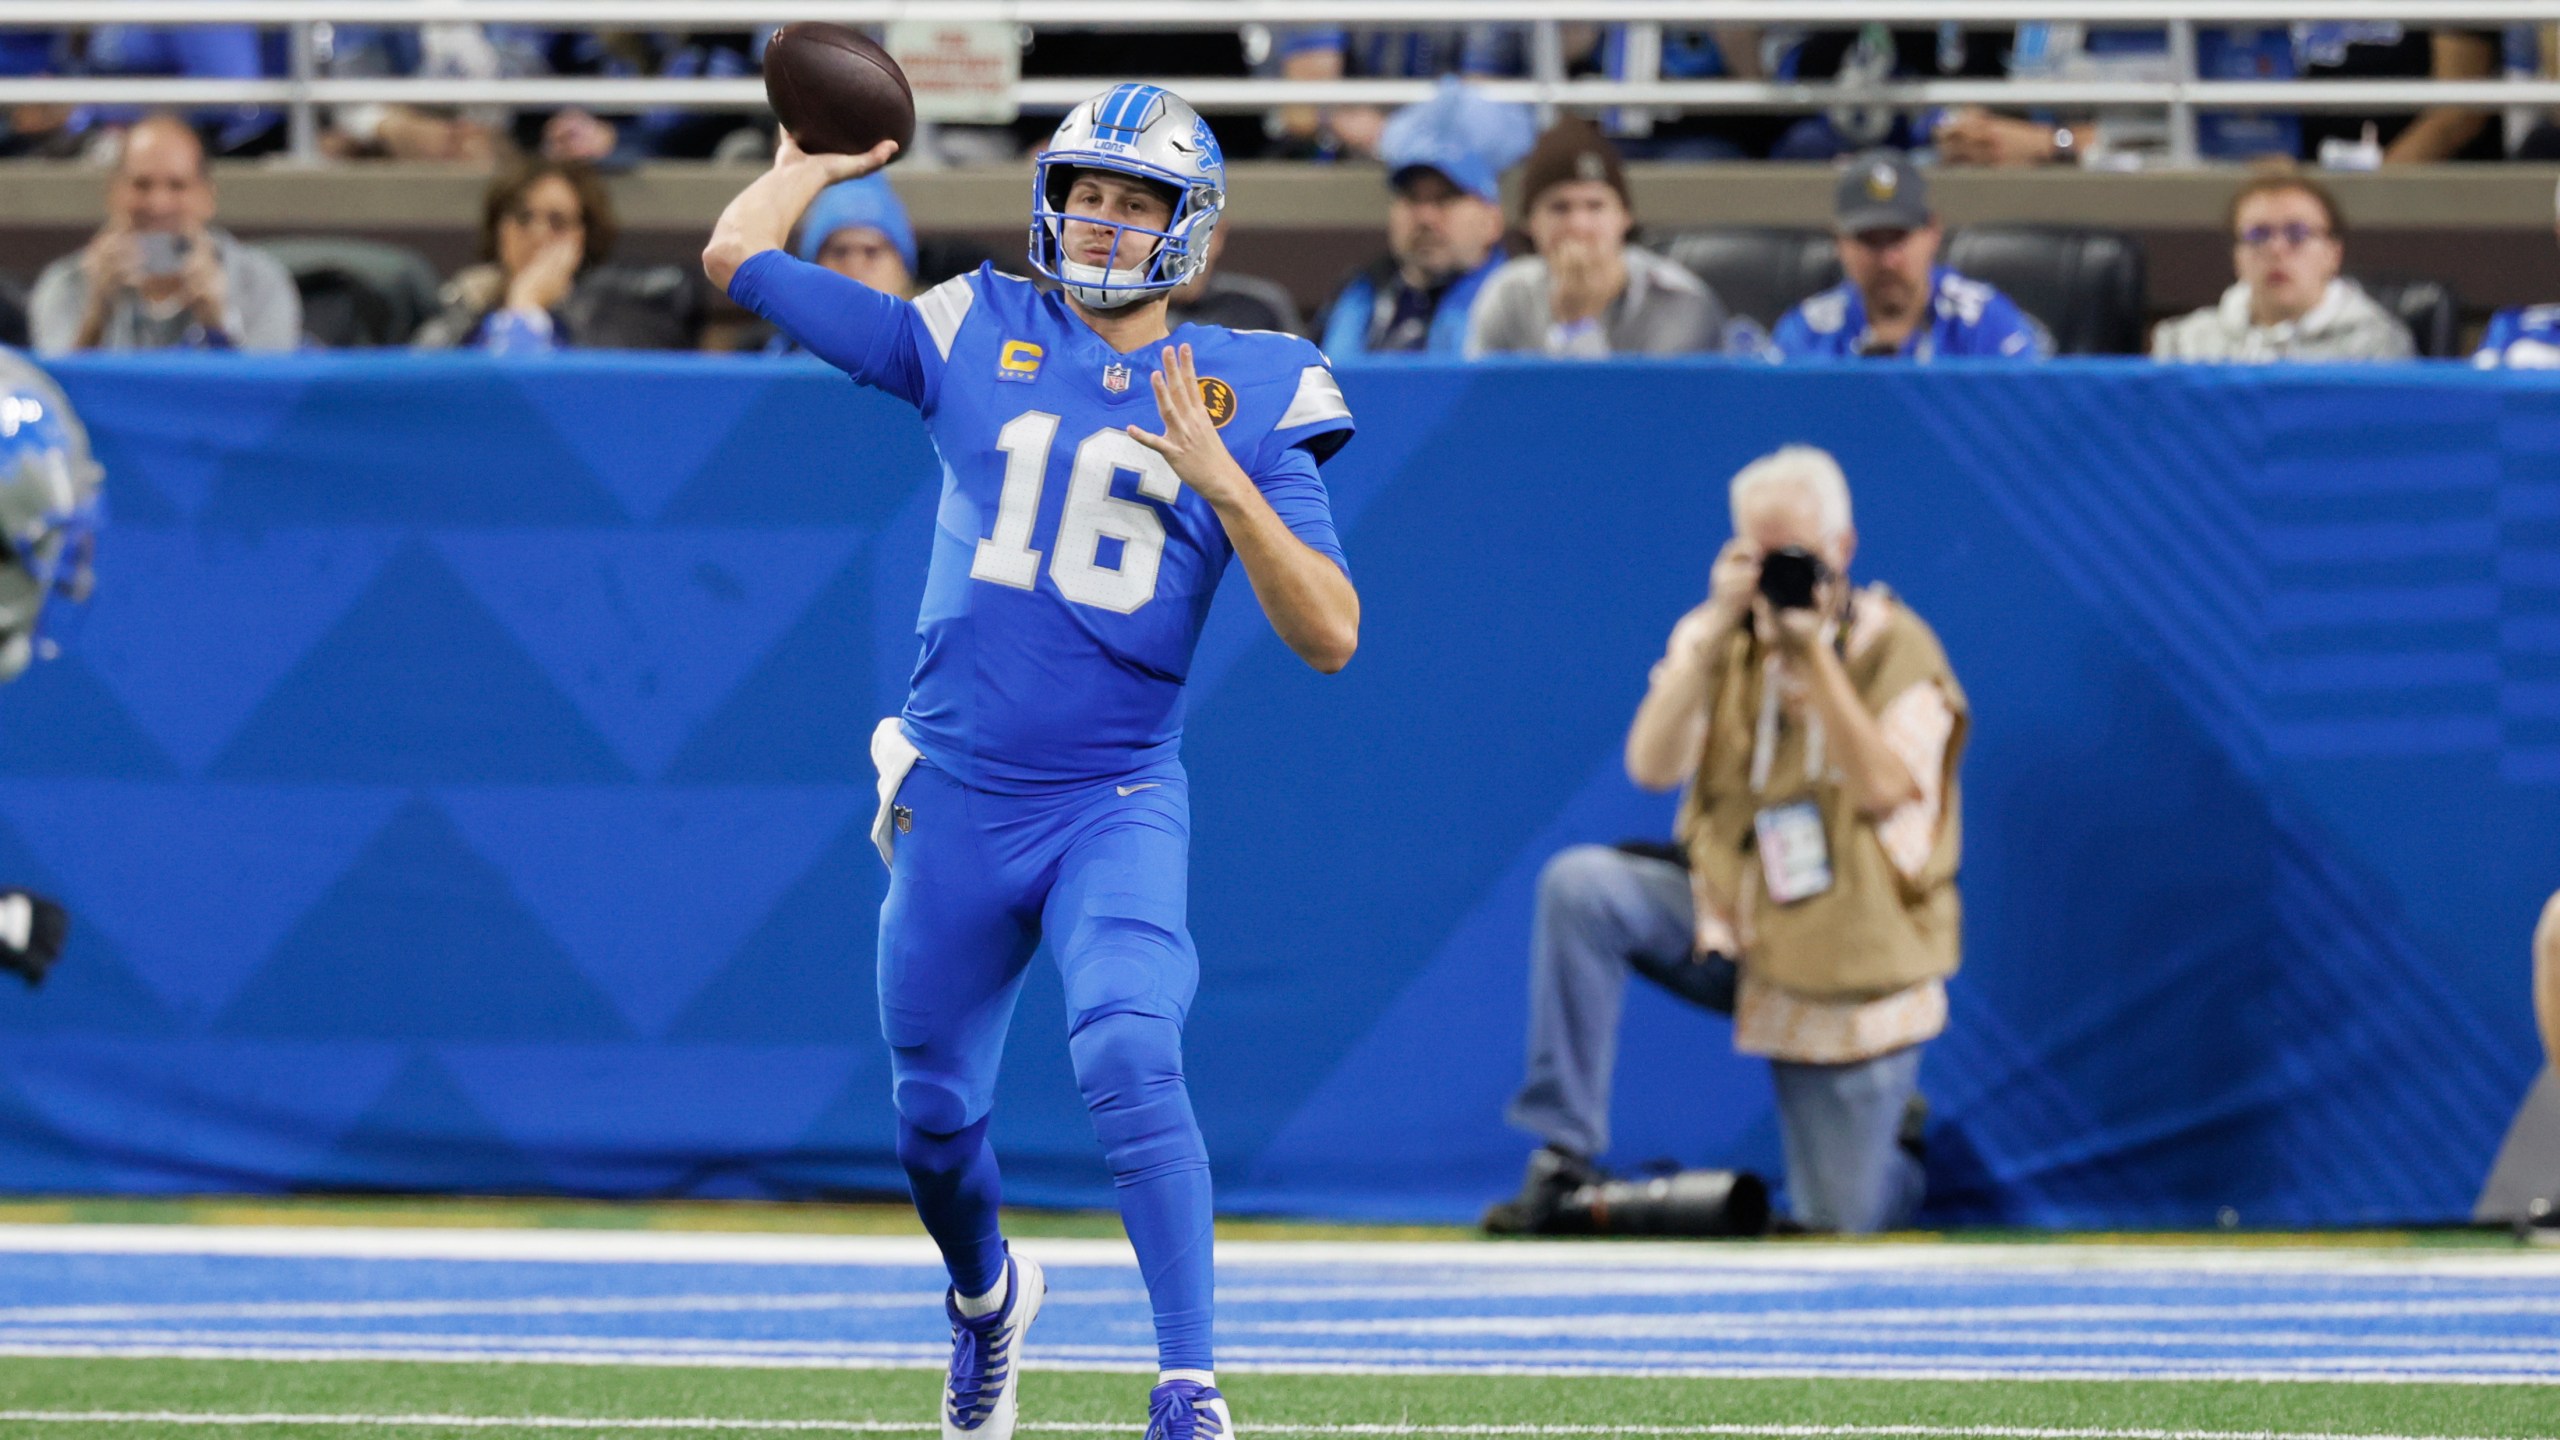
(468, 50)
(1566, 269)
(1561, 275)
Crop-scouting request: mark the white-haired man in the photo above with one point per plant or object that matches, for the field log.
(1817, 727)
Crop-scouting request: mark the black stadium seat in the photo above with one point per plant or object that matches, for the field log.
(358, 293)
(1759, 272)
(13, 313)
(2426, 306)
(2085, 285)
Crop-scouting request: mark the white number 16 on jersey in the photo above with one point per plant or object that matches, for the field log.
(1092, 515)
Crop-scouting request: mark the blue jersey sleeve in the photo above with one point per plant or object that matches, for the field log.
(2503, 329)
(1793, 339)
(879, 340)
(1296, 491)
(1317, 421)
(2011, 333)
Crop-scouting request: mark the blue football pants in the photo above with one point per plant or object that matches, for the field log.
(1102, 872)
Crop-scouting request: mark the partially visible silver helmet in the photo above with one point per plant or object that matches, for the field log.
(50, 508)
(1148, 133)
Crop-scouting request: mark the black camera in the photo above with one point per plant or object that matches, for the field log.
(1789, 577)
(1688, 1203)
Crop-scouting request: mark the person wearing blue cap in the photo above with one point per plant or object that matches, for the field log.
(1445, 159)
(858, 229)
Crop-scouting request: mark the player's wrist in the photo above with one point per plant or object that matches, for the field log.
(1222, 482)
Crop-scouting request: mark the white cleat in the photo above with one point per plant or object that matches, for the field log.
(982, 1393)
(1188, 1410)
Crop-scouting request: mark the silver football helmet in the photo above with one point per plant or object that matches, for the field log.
(1149, 133)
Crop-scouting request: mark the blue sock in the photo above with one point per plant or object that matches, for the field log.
(1130, 1069)
(956, 1188)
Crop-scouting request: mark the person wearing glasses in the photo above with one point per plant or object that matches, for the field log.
(2288, 240)
(1898, 302)
(546, 229)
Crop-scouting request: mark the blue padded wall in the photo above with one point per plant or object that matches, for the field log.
(460, 782)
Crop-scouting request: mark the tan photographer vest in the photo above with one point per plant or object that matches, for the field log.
(1876, 930)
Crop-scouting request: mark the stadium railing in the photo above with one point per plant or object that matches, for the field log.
(305, 91)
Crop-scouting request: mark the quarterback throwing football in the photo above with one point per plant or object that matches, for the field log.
(1099, 469)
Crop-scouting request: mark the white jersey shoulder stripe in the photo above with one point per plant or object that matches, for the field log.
(943, 308)
(1318, 399)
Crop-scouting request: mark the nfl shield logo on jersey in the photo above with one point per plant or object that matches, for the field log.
(1115, 377)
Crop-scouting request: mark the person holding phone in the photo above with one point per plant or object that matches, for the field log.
(1817, 727)
(160, 275)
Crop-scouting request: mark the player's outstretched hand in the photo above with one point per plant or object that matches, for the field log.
(787, 153)
(1190, 439)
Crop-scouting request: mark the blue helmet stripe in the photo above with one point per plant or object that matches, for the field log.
(1125, 108)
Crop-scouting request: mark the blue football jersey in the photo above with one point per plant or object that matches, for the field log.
(1072, 571)
(2521, 339)
(1966, 318)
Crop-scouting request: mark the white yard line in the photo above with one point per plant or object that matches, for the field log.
(706, 1247)
(1135, 1360)
(893, 1427)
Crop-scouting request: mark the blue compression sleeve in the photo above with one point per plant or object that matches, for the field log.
(954, 1181)
(870, 336)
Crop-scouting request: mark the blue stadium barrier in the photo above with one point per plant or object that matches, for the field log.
(460, 782)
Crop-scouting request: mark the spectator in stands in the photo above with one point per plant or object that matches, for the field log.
(1445, 159)
(1643, 51)
(34, 130)
(1818, 731)
(2522, 337)
(1873, 54)
(1974, 136)
(450, 50)
(1333, 52)
(1898, 302)
(2288, 240)
(160, 275)
(543, 229)
(1219, 296)
(858, 229)
(196, 52)
(1587, 292)
(581, 136)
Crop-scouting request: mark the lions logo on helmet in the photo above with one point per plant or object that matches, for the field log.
(1150, 134)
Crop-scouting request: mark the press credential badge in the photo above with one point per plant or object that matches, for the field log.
(1795, 856)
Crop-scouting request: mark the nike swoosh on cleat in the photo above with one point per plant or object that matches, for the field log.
(1128, 790)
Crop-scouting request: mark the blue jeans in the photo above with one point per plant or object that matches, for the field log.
(1600, 915)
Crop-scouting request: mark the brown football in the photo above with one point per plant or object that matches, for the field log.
(836, 90)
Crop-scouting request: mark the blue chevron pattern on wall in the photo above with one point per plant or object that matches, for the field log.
(460, 783)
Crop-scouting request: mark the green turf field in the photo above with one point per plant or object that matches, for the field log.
(48, 1395)
(397, 1400)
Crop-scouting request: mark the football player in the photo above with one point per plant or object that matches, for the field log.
(49, 514)
(1099, 470)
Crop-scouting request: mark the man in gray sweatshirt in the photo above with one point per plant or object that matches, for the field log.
(1587, 292)
(158, 275)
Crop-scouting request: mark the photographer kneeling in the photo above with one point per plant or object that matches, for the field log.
(1818, 728)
